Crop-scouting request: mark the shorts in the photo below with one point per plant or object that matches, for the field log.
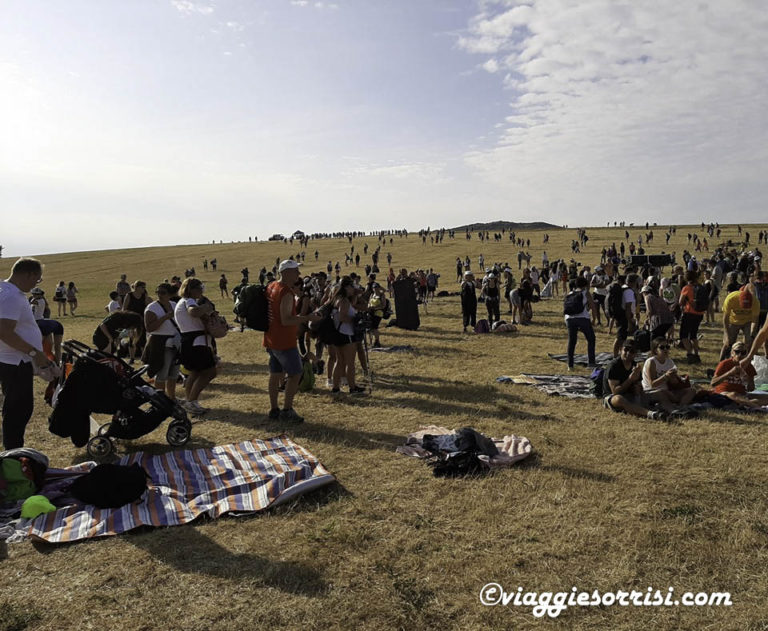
(286, 361)
(599, 298)
(639, 399)
(342, 339)
(689, 326)
(196, 358)
(50, 326)
(170, 369)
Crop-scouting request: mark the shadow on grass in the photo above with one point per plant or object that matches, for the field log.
(353, 438)
(127, 447)
(534, 461)
(233, 388)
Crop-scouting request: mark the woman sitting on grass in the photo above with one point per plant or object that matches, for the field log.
(661, 381)
(734, 380)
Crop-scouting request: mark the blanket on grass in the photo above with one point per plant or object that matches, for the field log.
(570, 386)
(239, 478)
(600, 358)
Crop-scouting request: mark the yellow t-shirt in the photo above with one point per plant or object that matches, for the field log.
(736, 314)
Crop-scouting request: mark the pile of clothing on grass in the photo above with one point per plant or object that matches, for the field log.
(464, 451)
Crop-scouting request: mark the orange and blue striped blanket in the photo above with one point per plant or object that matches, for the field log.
(238, 478)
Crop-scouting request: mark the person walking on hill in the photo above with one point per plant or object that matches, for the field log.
(694, 300)
(60, 298)
(72, 298)
(578, 307)
(469, 301)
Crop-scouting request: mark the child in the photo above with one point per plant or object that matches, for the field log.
(113, 304)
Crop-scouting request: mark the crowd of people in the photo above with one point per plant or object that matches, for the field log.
(321, 323)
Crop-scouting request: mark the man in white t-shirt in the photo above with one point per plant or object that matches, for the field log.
(21, 345)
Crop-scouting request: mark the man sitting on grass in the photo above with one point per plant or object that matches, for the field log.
(622, 383)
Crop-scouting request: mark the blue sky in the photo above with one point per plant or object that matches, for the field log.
(179, 121)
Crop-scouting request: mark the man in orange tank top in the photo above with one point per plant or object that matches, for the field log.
(280, 340)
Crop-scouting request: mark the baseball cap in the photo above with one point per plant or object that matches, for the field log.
(646, 289)
(37, 291)
(288, 264)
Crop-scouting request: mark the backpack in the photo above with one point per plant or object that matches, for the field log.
(307, 381)
(597, 382)
(60, 292)
(701, 298)
(615, 300)
(482, 326)
(252, 305)
(22, 473)
(110, 485)
(573, 303)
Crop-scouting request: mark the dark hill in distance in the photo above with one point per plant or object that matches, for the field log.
(496, 226)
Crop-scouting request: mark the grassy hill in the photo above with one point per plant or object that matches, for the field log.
(609, 502)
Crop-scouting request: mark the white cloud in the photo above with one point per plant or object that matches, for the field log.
(491, 66)
(189, 6)
(317, 5)
(653, 106)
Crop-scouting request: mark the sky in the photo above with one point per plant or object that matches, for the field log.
(126, 124)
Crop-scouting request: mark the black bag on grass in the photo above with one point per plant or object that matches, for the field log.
(110, 485)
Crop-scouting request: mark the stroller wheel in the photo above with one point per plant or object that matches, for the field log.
(179, 432)
(104, 429)
(99, 447)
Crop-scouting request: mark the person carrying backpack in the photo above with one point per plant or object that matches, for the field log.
(694, 300)
(577, 307)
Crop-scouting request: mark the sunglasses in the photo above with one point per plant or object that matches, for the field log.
(664, 347)
(629, 350)
(742, 352)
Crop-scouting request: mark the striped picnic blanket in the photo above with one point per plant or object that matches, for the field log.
(237, 478)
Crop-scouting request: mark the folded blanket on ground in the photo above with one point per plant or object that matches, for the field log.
(239, 478)
(491, 452)
(600, 358)
(570, 386)
(407, 348)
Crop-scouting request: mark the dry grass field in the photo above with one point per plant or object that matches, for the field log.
(608, 502)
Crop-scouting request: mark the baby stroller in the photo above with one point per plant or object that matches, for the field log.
(95, 381)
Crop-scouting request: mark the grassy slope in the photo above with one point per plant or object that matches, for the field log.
(610, 502)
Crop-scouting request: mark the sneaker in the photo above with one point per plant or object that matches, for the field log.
(274, 414)
(344, 381)
(691, 358)
(328, 383)
(195, 408)
(357, 390)
(335, 390)
(658, 415)
(290, 415)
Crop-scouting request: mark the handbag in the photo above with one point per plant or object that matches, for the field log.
(216, 325)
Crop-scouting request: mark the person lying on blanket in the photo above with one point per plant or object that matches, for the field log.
(622, 381)
(735, 379)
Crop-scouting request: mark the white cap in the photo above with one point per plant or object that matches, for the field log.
(287, 264)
